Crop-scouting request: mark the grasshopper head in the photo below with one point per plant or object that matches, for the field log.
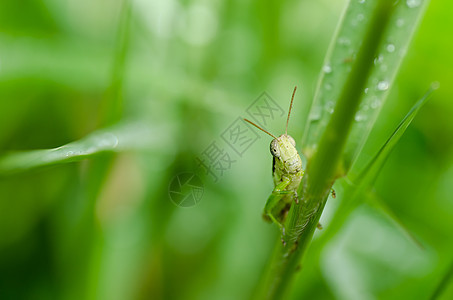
(284, 150)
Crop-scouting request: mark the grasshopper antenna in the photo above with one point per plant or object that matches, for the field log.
(289, 112)
(260, 128)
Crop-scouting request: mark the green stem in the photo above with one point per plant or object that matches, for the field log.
(112, 106)
(325, 165)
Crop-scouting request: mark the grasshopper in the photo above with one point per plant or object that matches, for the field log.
(287, 174)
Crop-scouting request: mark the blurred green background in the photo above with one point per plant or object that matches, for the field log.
(105, 228)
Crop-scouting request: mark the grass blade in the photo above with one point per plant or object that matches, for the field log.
(359, 186)
(371, 171)
(322, 168)
(115, 139)
(338, 65)
(359, 191)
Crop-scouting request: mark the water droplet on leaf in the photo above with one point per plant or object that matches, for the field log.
(413, 3)
(390, 48)
(359, 117)
(330, 107)
(327, 69)
(383, 85)
(375, 103)
(379, 59)
(435, 85)
(315, 113)
(344, 41)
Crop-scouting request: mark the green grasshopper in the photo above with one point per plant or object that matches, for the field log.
(287, 174)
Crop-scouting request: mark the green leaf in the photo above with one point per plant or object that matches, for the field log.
(121, 137)
(357, 192)
(337, 66)
(358, 187)
(371, 171)
(322, 167)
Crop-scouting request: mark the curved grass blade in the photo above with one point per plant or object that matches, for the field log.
(371, 171)
(359, 186)
(118, 138)
(359, 191)
(337, 66)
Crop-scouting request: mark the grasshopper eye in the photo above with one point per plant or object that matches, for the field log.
(275, 150)
(291, 140)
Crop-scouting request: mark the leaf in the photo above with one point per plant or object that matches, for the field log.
(337, 66)
(371, 171)
(118, 138)
(358, 187)
(326, 137)
(322, 168)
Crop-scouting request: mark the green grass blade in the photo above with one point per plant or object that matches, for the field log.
(322, 167)
(112, 104)
(337, 66)
(115, 139)
(359, 186)
(371, 171)
(359, 191)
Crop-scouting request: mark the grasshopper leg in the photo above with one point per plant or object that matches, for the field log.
(277, 194)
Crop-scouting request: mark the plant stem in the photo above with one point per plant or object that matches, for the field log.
(325, 165)
(112, 105)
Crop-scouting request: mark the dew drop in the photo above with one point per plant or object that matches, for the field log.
(390, 48)
(361, 1)
(328, 86)
(359, 117)
(366, 90)
(344, 41)
(330, 107)
(382, 85)
(399, 22)
(375, 103)
(402, 52)
(379, 59)
(413, 3)
(315, 113)
(69, 154)
(327, 69)
(435, 85)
